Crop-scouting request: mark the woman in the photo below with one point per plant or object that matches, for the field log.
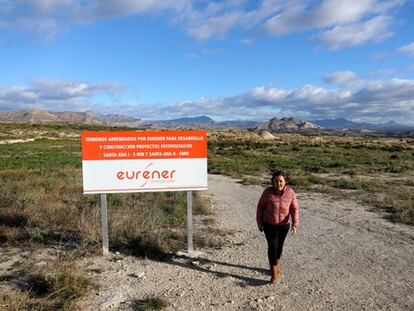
(275, 208)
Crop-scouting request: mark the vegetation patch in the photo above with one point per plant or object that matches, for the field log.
(56, 288)
(332, 164)
(154, 303)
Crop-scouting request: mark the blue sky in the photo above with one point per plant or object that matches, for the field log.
(227, 59)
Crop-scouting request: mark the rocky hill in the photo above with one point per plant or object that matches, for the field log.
(68, 117)
(286, 124)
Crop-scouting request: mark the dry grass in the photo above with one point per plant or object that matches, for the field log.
(14, 300)
(54, 288)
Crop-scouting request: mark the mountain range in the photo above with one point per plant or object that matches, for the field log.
(274, 124)
(69, 117)
(343, 124)
(204, 121)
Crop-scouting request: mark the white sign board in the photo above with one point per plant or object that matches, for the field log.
(144, 161)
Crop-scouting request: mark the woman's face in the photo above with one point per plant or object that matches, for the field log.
(280, 183)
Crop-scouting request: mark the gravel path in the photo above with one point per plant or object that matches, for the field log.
(344, 257)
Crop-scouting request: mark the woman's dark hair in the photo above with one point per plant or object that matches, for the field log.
(279, 173)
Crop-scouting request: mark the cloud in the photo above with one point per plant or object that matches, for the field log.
(379, 56)
(384, 73)
(372, 101)
(340, 23)
(408, 49)
(373, 30)
(247, 41)
(340, 76)
(49, 17)
(215, 26)
(94, 10)
(361, 100)
(299, 17)
(57, 95)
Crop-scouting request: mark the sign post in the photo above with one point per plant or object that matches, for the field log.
(144, 161)
(190, 247)
(104, 221)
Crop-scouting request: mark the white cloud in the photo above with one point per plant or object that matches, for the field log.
(298, 16)
(408, 48)
(104, 9)
(264, 10)
(341, 22)
(48, 27)
(57, 95)
(383, 73)
(267, 94)
(379, 56)
(373, 101)
(46, 6)
(385, 92)
(340, 12)
(362, 100)
(214, 26)
(373, 30)
(340, 76)
(247, 41)
(6, 6)
(49, 17)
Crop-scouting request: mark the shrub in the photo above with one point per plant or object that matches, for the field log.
(405, 212)
(153, 303)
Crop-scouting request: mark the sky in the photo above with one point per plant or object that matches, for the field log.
(229, 60)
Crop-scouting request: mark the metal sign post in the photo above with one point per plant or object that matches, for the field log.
(190, 247)
(104, 220)
(191, 253)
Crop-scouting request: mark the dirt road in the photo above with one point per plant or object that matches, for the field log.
(344, 257)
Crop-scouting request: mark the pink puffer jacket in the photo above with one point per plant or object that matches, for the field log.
(275, 209)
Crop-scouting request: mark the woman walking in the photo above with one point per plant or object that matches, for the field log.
(276, 207)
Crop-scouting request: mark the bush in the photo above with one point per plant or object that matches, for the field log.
(154, 303)
(404, 212)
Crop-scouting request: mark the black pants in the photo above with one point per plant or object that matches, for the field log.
(275, 236)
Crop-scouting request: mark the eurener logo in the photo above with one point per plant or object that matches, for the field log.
(146, 174)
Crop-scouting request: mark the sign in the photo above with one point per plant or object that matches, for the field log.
(144, 161)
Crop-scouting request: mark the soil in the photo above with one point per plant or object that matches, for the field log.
(345, 256)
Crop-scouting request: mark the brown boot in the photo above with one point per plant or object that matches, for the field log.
(274, 274)
(278, 268)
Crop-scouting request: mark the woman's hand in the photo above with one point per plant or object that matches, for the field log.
(294, 229)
